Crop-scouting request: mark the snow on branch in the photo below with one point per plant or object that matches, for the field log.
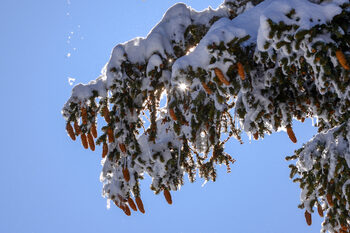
(250, 66)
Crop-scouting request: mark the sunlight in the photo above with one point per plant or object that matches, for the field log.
(190, 50)
(183, 86)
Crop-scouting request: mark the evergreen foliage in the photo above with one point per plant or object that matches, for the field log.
(220, 81)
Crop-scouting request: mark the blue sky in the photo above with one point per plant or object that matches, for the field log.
(51, 184)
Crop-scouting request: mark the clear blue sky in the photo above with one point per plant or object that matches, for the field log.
(50, 184)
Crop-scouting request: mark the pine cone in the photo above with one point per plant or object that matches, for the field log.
(256, 136)
(139, 204)
(93, 130)
(122, 147)
(241, 71)
(291, 134)
(342, 60)
(221, 76)
(70, 131)
(118, 205)
(84, 141)
(167, 196)
(126, 174)
(84, 115)
(329, 200)
(104, 150)
(132, 204)
(77, 128)
(319, 210)
(206, 88)
(91, 141)
(106, 114)
(308, 218)
(126, 210)
(172, 114)
(110, 135)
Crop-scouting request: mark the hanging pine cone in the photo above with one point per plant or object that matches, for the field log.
(256, 135)
(206, 88)
(84, 115)
(126, 174)
(84, 141)
(319, 210)
(118, 205)
(106, 114)
(91, 141)
(139, 204)
(221, 76)
(291, 134)
(132, 204)
(110, 135)
(127, 210)
(93, 129)
(167, 196)
(330, 200)
(77, 128)
(342, 60)
(241, 71)
(308, 218)
(104, 150)
(172, 114)
(70, 131)
(122, 147)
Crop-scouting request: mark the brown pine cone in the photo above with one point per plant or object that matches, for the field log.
(122, 147)
(91, 141)
(319, 210)
(221, 76)
(308, 218)
(127, 210)
(132, 204)
(167, 196)
(70, 131)
(104, 150)
(84, 115)
(172, 114)
(110, 135)
(77, 128)
(139, 204)
(84, 141)
(206, 88)
(241, 71)
(106, 114)
(93, 130)
(330, 200)
(291, 134)
(342, 60)
(256, 136)
(126, 174)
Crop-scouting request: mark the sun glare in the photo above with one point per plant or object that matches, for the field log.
(190, 50)
(183, 86)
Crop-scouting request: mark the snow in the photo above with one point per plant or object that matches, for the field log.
(82, 91)
(153, 62)
(253, 22)
(71, 81)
